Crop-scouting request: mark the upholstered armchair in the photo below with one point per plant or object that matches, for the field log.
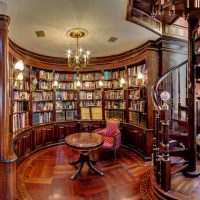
(111, 134)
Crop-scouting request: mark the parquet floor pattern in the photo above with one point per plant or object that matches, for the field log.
(46, 176)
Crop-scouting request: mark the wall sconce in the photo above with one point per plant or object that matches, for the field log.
(122, 82)
(19, 65)
(77, 84)
(140, 78)
(101, 83)
(55, 85)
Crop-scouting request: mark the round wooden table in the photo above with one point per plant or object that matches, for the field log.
(84, 142)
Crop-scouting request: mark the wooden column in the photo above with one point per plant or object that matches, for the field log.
(7, 156)
(192, 23)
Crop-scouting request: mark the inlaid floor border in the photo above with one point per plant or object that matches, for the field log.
(23, 194)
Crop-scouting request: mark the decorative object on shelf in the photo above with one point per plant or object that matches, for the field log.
(33, 85)
(77, 58)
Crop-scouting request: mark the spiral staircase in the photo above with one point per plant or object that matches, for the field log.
(176, 101)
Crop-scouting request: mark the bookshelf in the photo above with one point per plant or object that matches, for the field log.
(42, 103)
(64, 101)
(115, 94)
(20, 100)
(66, 97)
(90, 96)
(137, 97)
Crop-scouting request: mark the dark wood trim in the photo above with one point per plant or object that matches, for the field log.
(7, 156)
(48, 62)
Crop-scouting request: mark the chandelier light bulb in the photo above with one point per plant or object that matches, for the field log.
(19, 65)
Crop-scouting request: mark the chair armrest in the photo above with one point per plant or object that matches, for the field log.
(96, 130)
(102, 132)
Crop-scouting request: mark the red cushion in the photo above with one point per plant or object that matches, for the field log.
(112, 126)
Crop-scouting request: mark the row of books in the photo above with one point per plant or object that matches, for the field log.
(115, 114)
(90, 76)
(90, 103)
(66, 105)
(20, 121)
(46, 75)
(42, 85)
(113, 74)
(65, 95)
(133, 71)
(118, 94)
(90, 95)
(134, 94)
(20, 106)
(88, 85)
(42, 96)
(65, 77)
(65, 86)
(115, 105)
(63, 115)
(137, 106)
(134, 81)
(21, 85)
(38, 118)
(22, 96)
(42, 106)
(137, 118)
(91, 113)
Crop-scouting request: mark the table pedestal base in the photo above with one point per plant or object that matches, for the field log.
(84, 157)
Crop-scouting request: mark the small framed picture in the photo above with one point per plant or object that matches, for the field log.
(89, 95)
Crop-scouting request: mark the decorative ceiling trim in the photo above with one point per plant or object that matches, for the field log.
(27, 55)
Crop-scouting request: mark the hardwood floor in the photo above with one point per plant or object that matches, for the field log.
(46, 176)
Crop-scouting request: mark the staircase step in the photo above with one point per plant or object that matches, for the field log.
(178, 164)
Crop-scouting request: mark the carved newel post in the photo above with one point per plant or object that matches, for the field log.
(165, 161)
(7, 156)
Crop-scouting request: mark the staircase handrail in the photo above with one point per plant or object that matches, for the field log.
(158, 82)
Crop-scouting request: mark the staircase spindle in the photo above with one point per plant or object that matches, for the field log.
(165, 161)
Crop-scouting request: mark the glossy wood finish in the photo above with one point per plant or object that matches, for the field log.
(192, 24)
(182, 188)
(7, 156)
(39, 137)
(138, 139)
(123, 179)
(84, 141)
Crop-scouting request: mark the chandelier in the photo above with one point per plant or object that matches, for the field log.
(77, 58)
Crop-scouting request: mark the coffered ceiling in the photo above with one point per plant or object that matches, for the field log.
(101, 18)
